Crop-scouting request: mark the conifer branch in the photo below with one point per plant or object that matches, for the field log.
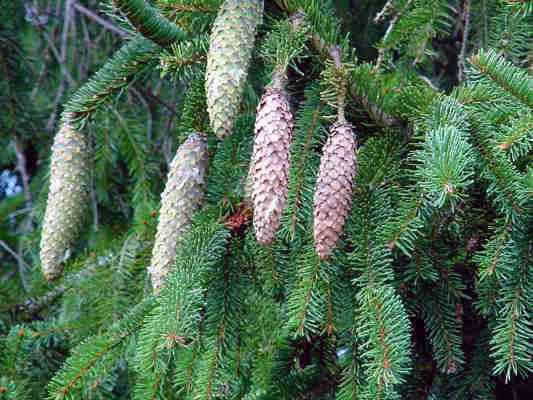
(516, 139)
(149, 22)
(300, 168)
(508, 189)
(510, 78)
(392, 24)
(308, 133)
(95, 351)
(116, 74)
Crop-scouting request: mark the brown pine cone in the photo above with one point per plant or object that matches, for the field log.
(271, 162)
(334, 186)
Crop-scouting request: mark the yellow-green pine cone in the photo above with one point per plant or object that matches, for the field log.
(68, 198)
(271, 162)
(334, 187)
(182, 197)
(230, 51)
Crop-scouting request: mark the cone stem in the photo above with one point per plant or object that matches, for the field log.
(279, 79)
(335, 55)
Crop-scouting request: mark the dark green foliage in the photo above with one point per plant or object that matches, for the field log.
(428, 294)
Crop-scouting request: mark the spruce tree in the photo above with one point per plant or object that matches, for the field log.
(280, 199)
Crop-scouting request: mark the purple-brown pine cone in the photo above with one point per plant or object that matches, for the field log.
(271, 162)
(334, 187)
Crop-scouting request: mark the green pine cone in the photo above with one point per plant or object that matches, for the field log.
(67, 198)
(180, 200)
(230, 51)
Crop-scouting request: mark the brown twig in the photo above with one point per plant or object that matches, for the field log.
(21, 167)
(392, 24)
(22, 266)
(63, 63)
(466, 29)
(33, 306)
(99, 20)
(384, 11)
(149, 122)
(94, 203)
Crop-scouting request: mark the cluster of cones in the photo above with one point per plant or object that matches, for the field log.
(229, 56)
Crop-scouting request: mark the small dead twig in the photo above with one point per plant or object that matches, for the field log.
(33, 306)
(466, 28)
(392, 24)
(384, 11)
(63, 63)
(21, 167)
(22, 266)
(99, 20)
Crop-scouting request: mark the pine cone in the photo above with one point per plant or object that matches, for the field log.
(232, 42)
(180, 200)
(67, 198)
(334, 186)
(271, 162)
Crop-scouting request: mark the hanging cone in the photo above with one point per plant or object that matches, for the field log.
(230, 51)
(271, 162)
(180, 200)
(334, 186)
(67, 198)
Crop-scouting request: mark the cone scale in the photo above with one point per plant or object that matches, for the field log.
(181, 199)
(334, 187)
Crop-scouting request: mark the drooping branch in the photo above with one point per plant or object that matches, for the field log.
(116, 74)
(149, 22)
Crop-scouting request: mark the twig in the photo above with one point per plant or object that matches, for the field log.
(149, 123)
(27, 225)
(429, 82)
(65, 31)
(384, 11)
(22, 266)
(392, 24)
(42, 74)
(21, 167)
(378, 115)
(52, 46)
(19, 212)
(148, 93)
(57, 56)
(53, 115)
(321, 47)
(63, 62)
(82, 66)
(33, 306)
(466, 28)
(14, 254)
(99, 20)
(485, 32)
(335, 55)
(95, 207)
